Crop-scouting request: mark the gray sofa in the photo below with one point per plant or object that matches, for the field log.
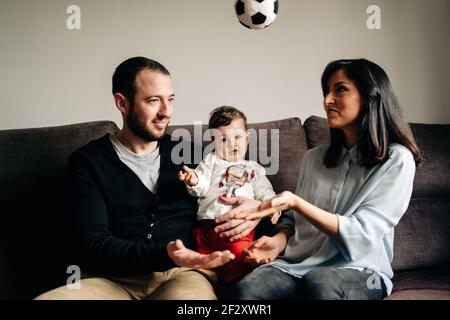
(35, 245)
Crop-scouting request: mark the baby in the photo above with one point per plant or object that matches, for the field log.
(225, 172)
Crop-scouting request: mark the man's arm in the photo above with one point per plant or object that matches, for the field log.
(105, 252)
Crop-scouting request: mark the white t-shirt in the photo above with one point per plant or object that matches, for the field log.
(210, 186)
(145, 166)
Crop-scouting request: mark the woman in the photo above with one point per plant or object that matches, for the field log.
(337, 240)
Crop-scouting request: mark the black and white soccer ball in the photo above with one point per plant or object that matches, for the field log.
(256, 14)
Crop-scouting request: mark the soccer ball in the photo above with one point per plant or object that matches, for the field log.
(256, 14)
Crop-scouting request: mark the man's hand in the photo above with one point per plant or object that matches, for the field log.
(262, 251)
(232, 228)
(188, 176)
(185, 257)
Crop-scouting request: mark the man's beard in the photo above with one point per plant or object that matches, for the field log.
(140, 130)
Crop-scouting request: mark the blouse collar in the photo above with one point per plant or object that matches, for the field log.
(352, 153)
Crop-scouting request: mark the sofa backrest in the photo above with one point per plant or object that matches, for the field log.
(34, 243)
(422, 238)
(34, 251)
(292, 146)
(288, 148)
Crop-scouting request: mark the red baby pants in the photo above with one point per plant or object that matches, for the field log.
(209, 241)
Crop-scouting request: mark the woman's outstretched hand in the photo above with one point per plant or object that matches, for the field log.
(185, 257)
(235, 229)
(271, 207)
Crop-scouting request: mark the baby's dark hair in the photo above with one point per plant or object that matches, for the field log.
(222, 116)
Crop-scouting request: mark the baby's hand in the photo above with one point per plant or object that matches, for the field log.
(188, 176)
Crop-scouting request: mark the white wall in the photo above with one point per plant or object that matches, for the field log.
(52, 76)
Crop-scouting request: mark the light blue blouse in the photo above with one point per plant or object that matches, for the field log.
(368, 202)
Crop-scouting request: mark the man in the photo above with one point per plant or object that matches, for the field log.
(127, 203)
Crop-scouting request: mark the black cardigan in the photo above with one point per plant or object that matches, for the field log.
(121, 227)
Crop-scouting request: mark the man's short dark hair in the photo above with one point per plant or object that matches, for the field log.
(124, 78)
(222, 116)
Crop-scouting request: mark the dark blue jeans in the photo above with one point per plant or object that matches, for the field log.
(322, 283)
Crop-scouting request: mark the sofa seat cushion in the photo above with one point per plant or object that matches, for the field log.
(421, 284)
(34, 257)
(420, 295)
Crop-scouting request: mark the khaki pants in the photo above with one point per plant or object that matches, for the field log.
(174, 284)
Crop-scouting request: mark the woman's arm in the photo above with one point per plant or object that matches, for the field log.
(357, 233)
(325, 221)
(232, 228)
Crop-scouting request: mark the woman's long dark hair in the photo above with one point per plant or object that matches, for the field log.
(381, 119)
